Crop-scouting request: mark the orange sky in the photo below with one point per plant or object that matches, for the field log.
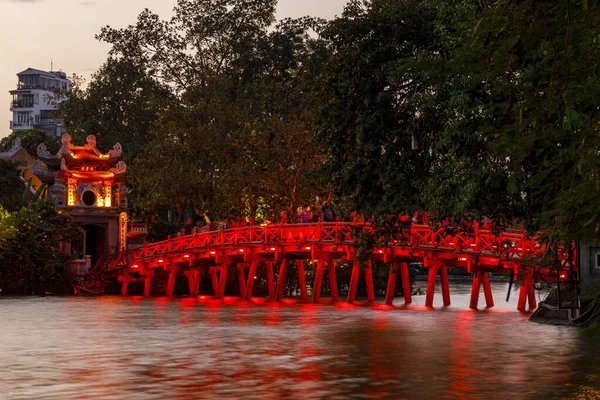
(33, 32)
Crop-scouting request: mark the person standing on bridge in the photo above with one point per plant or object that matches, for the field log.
(304, 214)
(285, 217)
(327, 213)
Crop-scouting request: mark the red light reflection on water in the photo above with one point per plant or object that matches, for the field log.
(463, 375)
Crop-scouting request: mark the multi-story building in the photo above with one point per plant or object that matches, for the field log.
(31, 103)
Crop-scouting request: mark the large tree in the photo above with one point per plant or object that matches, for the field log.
(467, 109)
(236, 130)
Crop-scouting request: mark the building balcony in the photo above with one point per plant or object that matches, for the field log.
(20, 105)
(23, 86)
(20, 125)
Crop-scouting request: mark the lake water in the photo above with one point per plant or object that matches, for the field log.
(133, 348)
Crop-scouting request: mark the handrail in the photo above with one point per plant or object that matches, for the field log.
(511, 245)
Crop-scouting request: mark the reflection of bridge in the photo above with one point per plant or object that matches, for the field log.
(214, 253)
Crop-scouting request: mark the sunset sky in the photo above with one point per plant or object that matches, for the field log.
(34, 32)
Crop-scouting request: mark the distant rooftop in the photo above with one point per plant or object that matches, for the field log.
(51, 74)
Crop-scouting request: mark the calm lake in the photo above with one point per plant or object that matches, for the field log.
(133, 348)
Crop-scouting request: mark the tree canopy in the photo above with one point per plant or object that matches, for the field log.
(464, 109)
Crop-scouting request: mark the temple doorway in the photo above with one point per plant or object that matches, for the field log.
(94, 242)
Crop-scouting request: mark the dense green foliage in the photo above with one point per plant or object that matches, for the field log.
(10, 180)
(30, 140)
(31, 260)
(465, 109)
(32, 232)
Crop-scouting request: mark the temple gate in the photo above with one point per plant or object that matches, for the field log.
(91, 187)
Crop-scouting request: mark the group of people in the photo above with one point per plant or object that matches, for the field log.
(305, 215)
(231, 221)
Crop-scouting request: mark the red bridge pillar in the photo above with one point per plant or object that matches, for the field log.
(125, 279)
(391, 286)
(270, 280)
(214, 280)
(251, 275)
(171, 283)
(242, 280)
(481, 277)
(223, 278)
(193, 277)
(281, 279)
(353, 281)
(332, 279)
(302, 280)
(148, 283)
(434, 265)
(369, 281)
(405, 283)
(527, 293)
(316, 295)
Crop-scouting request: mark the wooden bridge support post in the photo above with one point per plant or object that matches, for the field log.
(223, 278)
(531, 295)
(526, 293)
(475, 288)
(391, 286)
(369, 281)
(124, 284)
(487, 290)
(445, 286)
(316, 294)
(270, 280)
(281, 279)
(332, 279)
(171, 283)
(405, 283)
(353, 282)
(242, 280)
(481, 278)
(250, 283)
(193, 278)
(431, 286)
(302, 280)
(214, 280)
(148, 283)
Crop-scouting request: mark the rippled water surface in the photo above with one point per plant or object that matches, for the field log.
(118, 348)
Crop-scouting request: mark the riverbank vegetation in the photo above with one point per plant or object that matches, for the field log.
(32, 232)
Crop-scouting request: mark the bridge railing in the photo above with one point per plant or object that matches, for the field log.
(506, 245)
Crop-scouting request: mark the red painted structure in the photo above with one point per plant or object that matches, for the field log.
(214, 253)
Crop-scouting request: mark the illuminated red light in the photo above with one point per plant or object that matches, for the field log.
(186, 256)
(135, 266)
(563, 276)
(212, 252)
(380, 251)
(463, 259)
(241, 250)
(272, 248)
(307, 248)
(161, 260)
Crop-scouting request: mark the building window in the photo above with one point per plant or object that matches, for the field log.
(89, 198)
(597, 258)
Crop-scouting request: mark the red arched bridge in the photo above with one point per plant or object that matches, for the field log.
(213, 253)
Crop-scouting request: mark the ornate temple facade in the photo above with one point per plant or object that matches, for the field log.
(90, 186)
